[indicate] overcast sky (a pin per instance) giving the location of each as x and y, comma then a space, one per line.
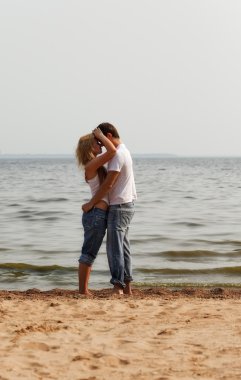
167, 73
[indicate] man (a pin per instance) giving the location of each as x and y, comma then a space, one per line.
120, 186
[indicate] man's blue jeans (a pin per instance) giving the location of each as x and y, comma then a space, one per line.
118, 245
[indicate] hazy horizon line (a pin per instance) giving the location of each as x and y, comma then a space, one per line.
167, 155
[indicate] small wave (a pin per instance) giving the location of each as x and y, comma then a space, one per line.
149, 239
36, 268
47, 200
48, 252
47, 213
198, 256
189, 224
49, 218
24, 216
232, 242
37, 215
25, 211
234, 271
219, 242
196, 253
33, 219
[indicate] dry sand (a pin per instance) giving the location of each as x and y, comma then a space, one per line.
155, 334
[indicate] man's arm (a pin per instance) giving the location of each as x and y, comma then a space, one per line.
104, 189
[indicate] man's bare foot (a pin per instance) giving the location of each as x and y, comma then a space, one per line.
127, 289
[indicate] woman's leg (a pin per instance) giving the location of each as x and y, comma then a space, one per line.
84, 274
94, 223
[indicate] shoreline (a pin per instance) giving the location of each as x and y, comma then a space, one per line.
145, 292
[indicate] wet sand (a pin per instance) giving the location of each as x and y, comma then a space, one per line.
158, 333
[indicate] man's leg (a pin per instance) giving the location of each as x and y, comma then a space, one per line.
128, 264
118, 251
115, 236
127, 253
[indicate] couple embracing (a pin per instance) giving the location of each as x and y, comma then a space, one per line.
111, 206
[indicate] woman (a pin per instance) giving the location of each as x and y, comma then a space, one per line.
88, 154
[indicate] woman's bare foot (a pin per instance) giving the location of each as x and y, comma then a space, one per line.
86, 293
117, 290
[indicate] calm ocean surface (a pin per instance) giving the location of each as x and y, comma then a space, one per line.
186, 229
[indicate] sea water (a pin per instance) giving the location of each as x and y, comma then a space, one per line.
186, 228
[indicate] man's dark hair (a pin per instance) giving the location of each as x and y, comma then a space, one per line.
109, 128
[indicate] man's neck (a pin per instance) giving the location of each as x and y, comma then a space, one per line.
116, 142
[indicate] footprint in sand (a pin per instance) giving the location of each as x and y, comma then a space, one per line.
133, 306
36, 364
126, 341
113, 361
45, 327
127, 320
101, 359
166, 332
37, 346
100, 312
83, 356
2, 313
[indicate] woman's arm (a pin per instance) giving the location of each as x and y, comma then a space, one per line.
95, 163
104, 140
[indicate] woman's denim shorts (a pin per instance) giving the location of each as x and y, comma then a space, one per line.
94, 223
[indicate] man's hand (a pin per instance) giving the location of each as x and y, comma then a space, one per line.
87, 206
98, 134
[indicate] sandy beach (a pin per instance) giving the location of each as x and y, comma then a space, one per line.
157, 333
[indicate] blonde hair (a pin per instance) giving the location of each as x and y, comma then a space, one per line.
84, 152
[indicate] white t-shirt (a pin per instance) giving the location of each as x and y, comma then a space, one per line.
124, 189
